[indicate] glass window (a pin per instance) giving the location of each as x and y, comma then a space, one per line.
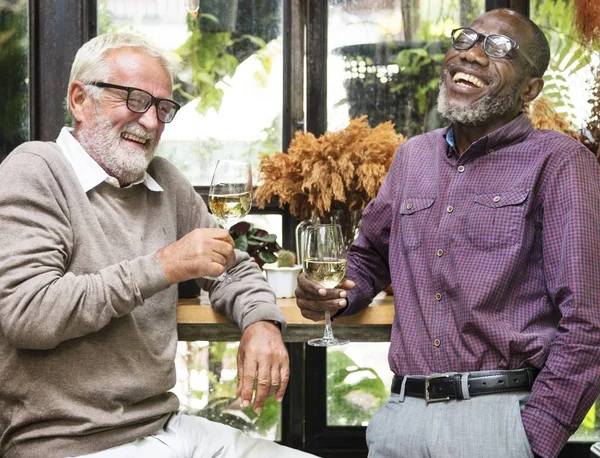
385, 59
14, 68
230, 89
230, 83
206, 386
358, 382
569, 79
569, 84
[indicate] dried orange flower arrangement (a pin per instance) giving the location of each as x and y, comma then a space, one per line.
543, 115
342, 169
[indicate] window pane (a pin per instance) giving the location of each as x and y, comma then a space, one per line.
385, 59
230, 85
14, 68
206, 386
568, 83
358, 382
573, 69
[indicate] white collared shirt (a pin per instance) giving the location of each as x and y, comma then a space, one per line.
88, 172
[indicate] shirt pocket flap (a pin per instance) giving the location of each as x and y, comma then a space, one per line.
410, 206
502, 199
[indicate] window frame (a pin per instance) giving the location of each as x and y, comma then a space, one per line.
59, 27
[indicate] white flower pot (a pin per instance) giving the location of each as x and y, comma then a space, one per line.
283, 280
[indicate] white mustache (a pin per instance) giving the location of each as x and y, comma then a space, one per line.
138, 131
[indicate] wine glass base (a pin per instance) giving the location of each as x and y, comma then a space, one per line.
327, 342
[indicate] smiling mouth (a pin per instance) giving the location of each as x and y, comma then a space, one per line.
468, 81
134, 138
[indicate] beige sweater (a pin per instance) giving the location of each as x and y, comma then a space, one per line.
87, 319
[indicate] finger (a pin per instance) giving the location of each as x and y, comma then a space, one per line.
238, 390
284, 374
321, 306
263, 384
222, 248
275, 380
248, 377
312, 315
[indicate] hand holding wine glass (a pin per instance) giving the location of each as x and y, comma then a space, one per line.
324, 262
230, 196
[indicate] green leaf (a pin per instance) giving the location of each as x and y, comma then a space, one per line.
267, 257
241, 243
266, 238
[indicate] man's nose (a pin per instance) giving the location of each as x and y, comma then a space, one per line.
148, 120
476, 54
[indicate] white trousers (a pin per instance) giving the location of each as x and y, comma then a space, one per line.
187, 436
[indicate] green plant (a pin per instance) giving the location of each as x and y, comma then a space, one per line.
423, 65
351, 401
568, 54
14, 95
258, 243
211, 57
286, 258
222, 403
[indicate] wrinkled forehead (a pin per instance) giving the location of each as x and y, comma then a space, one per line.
504, 24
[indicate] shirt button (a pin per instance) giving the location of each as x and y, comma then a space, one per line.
450, 209
440, 252
461, 168
490, 150
438, 297
437, 342
497, 199
409, 206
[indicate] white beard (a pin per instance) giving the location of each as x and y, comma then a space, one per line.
481, 112
117, 156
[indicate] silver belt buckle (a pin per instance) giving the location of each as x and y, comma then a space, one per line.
429, 399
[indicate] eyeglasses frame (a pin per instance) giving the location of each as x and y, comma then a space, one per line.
153, 100
485, 37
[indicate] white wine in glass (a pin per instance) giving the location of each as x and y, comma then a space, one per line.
230, 197
324, 262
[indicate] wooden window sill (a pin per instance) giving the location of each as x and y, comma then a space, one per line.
198, 321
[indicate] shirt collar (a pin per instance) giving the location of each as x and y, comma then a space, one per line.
88, 172
504, 136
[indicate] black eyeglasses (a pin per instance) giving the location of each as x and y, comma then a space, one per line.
494, 45
140, 101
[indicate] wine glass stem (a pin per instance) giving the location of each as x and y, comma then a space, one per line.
328, 333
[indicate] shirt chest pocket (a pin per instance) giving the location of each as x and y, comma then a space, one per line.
497, 219
414, 215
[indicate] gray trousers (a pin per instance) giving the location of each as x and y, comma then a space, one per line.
488, 426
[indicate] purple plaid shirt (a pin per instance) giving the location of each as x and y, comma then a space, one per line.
493, 259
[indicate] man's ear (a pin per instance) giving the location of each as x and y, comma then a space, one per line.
531, 88
77, 100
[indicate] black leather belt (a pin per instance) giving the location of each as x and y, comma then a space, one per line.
444, 387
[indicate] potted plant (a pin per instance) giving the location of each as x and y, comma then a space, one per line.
335, 174
283, 275
258, 243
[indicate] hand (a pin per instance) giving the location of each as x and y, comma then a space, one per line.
202, 252
313, 299
262, 358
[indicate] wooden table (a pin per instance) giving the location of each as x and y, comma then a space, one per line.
198, 321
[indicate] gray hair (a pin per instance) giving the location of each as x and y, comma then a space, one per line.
90, 61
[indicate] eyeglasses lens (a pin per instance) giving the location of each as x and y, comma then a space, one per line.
494, 45
464, 39
140, 101
166, 111
498, 45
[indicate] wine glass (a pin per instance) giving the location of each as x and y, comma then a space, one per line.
230, 197
324, 262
